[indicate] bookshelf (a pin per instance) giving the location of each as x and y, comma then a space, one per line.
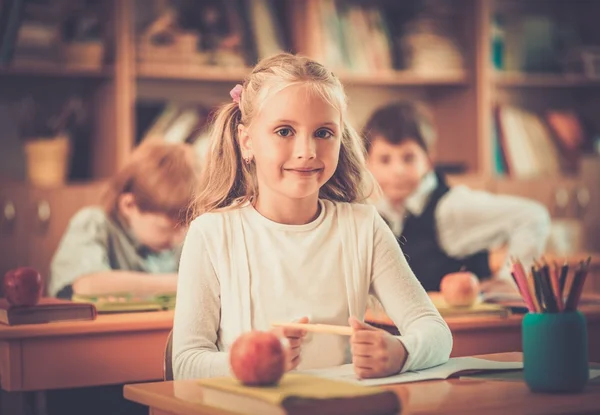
465, 95
462, 99
519, 80
56, 71
189, 73
400, 78
214, 74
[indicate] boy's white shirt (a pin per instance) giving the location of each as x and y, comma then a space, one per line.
240, 271
469, 221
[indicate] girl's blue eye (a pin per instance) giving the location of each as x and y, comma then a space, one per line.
324, 134
284, 132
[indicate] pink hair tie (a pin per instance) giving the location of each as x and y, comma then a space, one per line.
236, 93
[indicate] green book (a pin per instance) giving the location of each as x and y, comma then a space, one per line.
128, 303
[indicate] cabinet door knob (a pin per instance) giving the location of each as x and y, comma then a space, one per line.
582, 196
43, 215
9, 215
561, 201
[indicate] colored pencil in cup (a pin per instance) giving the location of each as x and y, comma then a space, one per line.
562, 280
577, 286
549, 296
529, 294
518, 274
556, 286
537, 285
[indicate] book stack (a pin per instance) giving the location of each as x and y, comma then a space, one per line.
47, 310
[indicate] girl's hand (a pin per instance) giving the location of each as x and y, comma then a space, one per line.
375, 352
294, 339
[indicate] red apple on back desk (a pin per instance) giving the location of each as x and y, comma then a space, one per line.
23, 286
257, 358
460, 289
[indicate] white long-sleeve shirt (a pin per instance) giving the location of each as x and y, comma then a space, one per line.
240, 271
469, 221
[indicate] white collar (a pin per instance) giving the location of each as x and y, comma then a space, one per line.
414, 204
417, 201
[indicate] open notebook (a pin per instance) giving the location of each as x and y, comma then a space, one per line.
454, 366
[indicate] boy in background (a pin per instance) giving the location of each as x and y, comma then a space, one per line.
132, 243
446, 229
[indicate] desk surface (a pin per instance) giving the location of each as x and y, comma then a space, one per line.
454, 396
104, 323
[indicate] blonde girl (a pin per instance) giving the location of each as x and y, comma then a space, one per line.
282, 233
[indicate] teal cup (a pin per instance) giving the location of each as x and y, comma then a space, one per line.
555, 352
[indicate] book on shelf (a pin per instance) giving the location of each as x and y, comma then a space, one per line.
229, 33
178, 123
51, 34
530, 144
376, 38
47, 310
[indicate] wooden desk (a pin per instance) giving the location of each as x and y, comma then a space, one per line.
113, 349
454, 396
483, 335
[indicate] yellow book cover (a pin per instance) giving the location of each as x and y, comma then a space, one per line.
298, 393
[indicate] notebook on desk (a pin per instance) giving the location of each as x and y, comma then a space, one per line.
454, 367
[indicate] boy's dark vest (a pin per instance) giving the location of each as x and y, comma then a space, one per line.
420, 244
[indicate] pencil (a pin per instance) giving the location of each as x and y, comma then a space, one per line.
556, 286
316, 328
518, 274
549, 297
534, 299
577, 287
537, 285
563, 278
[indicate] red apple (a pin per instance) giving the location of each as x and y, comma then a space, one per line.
460, 289
23, 286
257, 358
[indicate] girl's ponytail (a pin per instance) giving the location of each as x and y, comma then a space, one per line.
225, 178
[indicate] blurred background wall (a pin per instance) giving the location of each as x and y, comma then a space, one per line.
514, 86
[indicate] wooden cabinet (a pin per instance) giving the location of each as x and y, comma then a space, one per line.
13, 226
33, 221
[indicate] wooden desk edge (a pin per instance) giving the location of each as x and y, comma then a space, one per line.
104, 323
592, 314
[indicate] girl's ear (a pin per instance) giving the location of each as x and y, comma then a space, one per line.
245, 141
127, 205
